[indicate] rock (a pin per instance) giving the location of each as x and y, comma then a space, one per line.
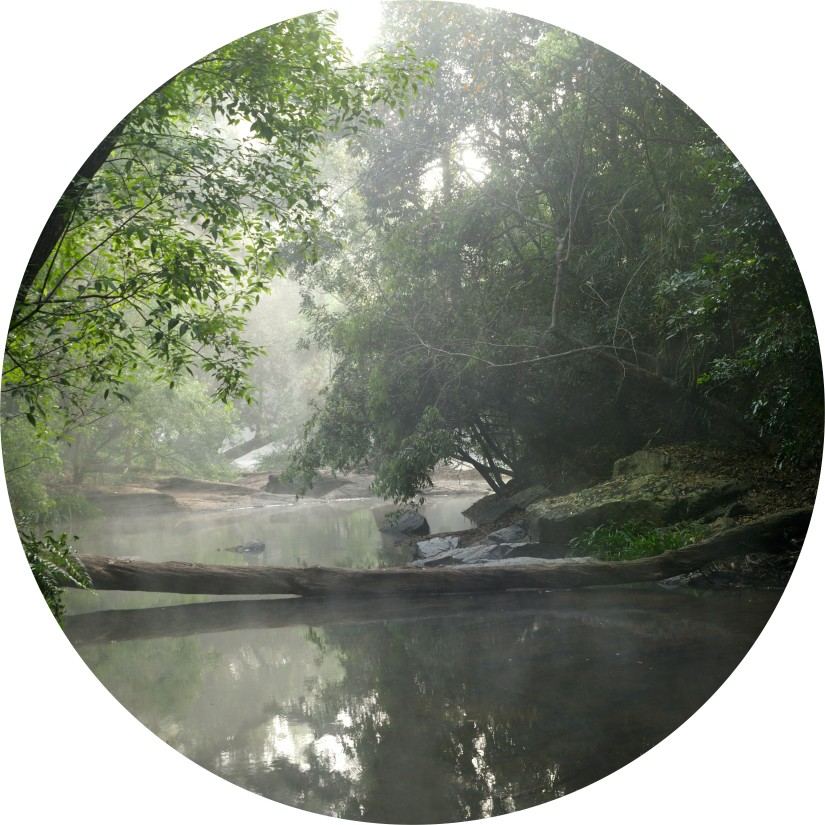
645, 463
320, 486
482, 553
196, 485
251, 546
659, 500
408, 524
432, 547
464, 555
515, 532
493, 507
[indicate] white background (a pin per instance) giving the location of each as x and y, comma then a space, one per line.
73, 69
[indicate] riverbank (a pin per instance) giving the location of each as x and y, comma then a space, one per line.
181, 495
704, 491
711, 489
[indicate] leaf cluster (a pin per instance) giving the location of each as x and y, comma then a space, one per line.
54, 564
205, 191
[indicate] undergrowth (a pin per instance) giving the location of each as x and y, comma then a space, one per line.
634, 540
54, 565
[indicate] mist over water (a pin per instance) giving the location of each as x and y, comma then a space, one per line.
400, 710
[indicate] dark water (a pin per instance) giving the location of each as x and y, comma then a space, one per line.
418, 710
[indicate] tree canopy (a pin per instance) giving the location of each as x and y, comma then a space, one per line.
177, 221
543, 259
551, 260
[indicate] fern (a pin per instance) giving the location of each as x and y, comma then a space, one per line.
55, 565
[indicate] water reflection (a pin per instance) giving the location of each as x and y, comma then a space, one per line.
431, 710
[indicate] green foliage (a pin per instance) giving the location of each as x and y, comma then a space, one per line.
744, 323
54, 565
161, 429
29, 458
337, 434
407, 471
194, 203
611, 275
634, 540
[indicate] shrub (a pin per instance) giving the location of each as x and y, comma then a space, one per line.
634, 540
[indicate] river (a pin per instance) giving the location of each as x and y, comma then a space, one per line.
412, 711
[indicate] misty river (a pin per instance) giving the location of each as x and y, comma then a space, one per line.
405, 710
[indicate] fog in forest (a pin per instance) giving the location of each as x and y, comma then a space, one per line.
354, 332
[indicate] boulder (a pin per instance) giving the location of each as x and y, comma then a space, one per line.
432, 547
463, 555
493, 507
482, 553
407, 524
251, 546
659, 500
182, 484
321, 486
646, 463
516, 532
134, 505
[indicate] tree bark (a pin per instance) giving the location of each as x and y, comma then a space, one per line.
765, 534
247, 447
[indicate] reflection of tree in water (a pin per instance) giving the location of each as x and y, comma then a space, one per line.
157, 680
448, 719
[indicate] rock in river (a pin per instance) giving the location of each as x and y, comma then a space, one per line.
432, 547
408, 524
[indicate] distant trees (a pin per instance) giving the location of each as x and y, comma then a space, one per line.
552, 260
287, 376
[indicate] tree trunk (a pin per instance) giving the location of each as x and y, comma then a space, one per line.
248, 446
766, 534
60, 218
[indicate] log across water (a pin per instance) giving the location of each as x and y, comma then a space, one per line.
766, 534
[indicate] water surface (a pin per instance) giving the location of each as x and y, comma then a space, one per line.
434, 709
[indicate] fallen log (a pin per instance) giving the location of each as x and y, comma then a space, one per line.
769, 533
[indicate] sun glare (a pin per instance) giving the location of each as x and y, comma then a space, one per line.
358, 26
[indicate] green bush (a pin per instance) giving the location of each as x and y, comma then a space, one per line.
634, 540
